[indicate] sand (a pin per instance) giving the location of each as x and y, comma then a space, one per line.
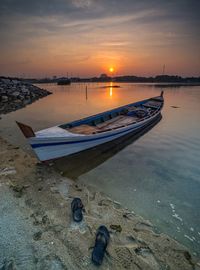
37, 231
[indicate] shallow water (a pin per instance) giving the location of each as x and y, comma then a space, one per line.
157, 175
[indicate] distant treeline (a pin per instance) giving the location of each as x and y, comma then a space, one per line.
136, 79
128, 78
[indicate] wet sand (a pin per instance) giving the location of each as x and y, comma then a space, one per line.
37, 231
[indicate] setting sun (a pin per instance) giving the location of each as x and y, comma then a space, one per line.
111, 69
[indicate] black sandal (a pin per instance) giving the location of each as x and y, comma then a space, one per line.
101, 242
77, 208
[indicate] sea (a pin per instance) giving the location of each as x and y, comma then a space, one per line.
156, 175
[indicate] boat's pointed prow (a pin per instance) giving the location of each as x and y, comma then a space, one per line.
161, 94
26, 130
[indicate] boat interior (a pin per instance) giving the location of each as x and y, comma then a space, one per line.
116, 118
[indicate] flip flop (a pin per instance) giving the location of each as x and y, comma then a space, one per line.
77, 208
101, 242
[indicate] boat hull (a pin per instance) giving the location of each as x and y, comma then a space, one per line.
53, 148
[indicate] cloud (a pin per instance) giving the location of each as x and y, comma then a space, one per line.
115, 44
72, 57
82, 3
98, 29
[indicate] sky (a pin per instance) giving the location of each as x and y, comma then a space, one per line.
85, 38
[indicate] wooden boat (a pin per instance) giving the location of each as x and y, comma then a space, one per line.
76, 136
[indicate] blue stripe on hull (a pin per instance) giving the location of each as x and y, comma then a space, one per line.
92, 139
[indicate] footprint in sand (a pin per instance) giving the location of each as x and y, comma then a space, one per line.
146, 255
131, 253
76, 255
124, 257
143, 226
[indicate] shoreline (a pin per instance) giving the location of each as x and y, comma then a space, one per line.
36, 219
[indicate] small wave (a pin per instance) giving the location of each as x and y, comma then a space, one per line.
177, 217
189, 238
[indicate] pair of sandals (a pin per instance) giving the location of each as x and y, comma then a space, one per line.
102, 234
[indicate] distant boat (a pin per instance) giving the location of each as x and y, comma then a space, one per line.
64, 82
76, 136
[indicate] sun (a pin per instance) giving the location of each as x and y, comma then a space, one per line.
111, 69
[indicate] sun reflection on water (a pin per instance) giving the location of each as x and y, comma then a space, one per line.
111, 89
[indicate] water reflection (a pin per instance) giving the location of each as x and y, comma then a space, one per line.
86, 93
111, 89
75, 165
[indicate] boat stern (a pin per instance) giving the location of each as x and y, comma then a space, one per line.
26, 130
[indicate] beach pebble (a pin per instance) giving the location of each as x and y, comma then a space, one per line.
116, 228
37, 236
54, 190
18, 190
7, 171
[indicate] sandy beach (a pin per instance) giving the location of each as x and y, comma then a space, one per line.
37, 231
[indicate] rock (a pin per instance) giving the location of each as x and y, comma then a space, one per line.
18, 190
40, 218
116, 228
17, 101
15, 94
13, 88
4, 98
6, 81
54, 190
37, 236
15, 82
32, 95
21, 97
25, 91
27, 101
45, 220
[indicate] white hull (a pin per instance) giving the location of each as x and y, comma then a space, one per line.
56, 147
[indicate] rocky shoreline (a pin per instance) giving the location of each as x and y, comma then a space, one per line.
16, 94
37, 231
